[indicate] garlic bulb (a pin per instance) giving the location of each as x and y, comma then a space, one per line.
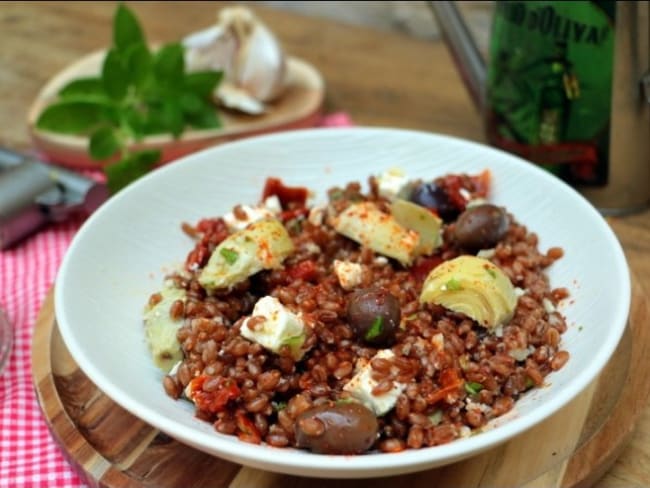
250, 56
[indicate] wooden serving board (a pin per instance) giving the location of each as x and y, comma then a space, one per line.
299, 106
113, 449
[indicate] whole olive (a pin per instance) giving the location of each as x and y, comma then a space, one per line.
374, 315
336, 428
434, 197
481, 227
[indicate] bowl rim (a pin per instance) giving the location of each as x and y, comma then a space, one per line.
277, 459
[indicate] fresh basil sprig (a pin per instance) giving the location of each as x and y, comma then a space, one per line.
138, 93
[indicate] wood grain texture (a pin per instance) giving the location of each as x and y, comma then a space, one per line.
380, 79
112, 448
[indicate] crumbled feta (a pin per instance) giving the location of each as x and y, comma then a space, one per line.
486, 253
362, 384
519, 292
349, 274
316, 215
391, 182
280, 327
380, 260
269, 209
548, 305
273, 204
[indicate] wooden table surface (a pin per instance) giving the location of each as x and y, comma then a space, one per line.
379, 79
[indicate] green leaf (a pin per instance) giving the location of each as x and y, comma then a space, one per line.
294, 341
207, 118
376, 328
74, 116
436, 417
103, 143
126, 29
83, 88
139, 66
169, 66
472, 387
115, 77
203, 83
173, 118
453, 285
129, 169
230, 255
191, 103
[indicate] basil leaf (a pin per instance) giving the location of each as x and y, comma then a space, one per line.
139, 66
73, 117
173, 118
230, 255
114, 75
376, 328
203, 83
83, 88
126, 29
207, 118
472, 387
103, 143
130, 169
191, 103
169, 65
454, 285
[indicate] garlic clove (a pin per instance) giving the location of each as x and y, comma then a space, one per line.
251, 57
233, 97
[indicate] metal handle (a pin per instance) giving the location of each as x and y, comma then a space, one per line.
33, 193
463, 49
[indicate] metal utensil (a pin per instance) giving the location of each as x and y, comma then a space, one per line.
33, 193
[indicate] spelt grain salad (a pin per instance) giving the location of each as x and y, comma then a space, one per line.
402, 316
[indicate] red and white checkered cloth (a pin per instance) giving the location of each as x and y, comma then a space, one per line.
29, 457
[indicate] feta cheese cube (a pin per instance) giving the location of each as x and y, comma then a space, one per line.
316, 215
273, 205
280, 327
349, 274
391, 182
362, 383
269, 209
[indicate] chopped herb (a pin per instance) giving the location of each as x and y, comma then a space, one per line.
454, 285
580, 328
436, 417
529, 382
277, 406
229, 255
473, 388
294, 341
335, 194
491, 272
344, 401
376, 328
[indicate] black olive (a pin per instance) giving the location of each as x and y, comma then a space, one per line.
374, 314
337, 428
480, 227
431, 196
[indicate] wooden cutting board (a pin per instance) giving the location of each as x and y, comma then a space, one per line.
113, 449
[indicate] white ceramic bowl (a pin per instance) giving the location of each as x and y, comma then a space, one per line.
122, 252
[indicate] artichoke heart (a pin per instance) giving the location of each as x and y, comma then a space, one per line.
366, 224
422, 221
262, 245
472, 286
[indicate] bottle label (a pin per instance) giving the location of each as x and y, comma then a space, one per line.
549, 85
